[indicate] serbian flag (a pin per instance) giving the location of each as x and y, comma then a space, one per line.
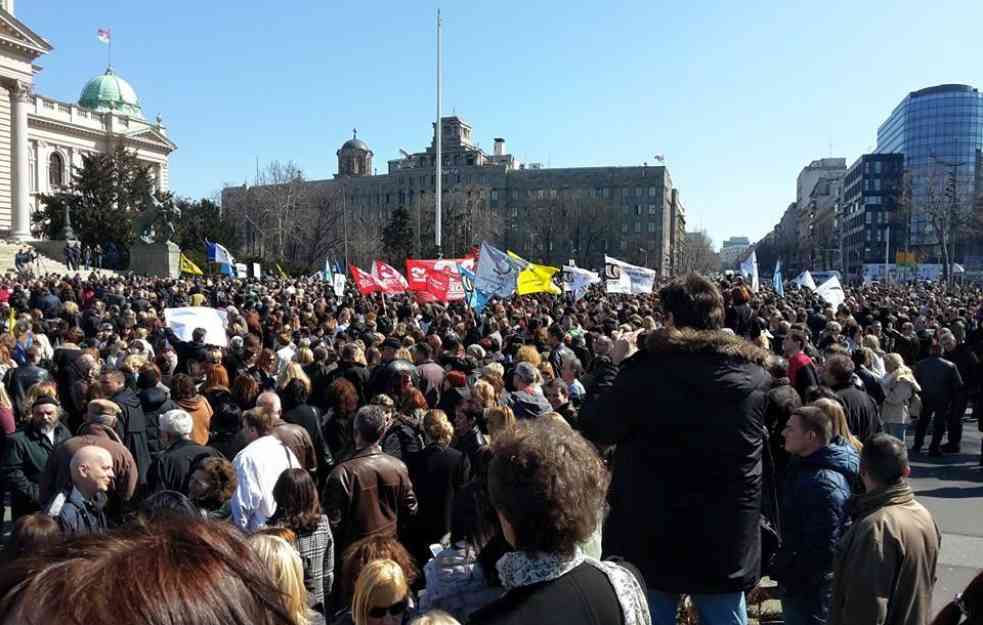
104, 34
388, 278
364, 282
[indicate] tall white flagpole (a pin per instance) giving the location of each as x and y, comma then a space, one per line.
438, 161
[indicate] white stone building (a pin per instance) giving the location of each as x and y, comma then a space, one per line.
42, 140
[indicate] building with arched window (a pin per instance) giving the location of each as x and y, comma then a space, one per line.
44, 140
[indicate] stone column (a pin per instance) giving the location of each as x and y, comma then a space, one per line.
21, 230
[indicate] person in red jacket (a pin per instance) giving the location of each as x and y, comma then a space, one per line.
801, 369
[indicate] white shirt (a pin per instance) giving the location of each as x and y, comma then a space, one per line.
284, 356
258, 467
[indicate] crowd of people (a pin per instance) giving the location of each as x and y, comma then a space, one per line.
376, 461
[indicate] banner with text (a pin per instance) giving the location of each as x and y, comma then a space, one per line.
436, 280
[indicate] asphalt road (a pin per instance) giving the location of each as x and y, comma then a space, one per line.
951, 487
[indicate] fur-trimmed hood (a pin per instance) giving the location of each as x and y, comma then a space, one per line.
688, 340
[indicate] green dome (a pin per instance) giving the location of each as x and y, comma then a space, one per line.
110, 93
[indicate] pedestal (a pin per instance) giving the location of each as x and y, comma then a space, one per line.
156, 259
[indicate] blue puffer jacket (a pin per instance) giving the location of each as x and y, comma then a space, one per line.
814, 513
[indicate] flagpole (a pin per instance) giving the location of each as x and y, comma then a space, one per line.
438, 161
110, 53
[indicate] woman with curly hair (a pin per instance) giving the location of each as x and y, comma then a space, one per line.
299, 510
342, 399
547, 486
211, 487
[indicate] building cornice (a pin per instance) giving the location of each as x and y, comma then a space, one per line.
27, 41
90, 133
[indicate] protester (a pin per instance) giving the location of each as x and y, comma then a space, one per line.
211, 488
299, 510
900, 390
862, 413
286, 570
382, 595
258, 466
814, 514
25, 454
80, 509
538, 469
689, 368
180, 454
31, 536
941, 383
886, 563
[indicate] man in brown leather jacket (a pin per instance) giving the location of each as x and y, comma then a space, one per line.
371, 492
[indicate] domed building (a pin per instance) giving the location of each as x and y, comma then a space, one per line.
355, 157
42, 140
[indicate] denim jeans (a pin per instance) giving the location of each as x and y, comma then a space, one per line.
718, 609
897, 430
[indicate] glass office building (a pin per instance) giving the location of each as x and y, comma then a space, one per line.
939, 130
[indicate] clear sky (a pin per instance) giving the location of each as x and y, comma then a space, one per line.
739, 96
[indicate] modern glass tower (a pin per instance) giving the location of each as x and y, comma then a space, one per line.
939, 130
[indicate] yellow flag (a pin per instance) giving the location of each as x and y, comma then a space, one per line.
283, 274
189, 267
535, 278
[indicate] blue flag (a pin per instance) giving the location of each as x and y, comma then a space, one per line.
476, 299
776, 281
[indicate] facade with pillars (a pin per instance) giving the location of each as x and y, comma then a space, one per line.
43, 140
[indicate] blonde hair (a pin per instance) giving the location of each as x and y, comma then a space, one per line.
286, 571
873, 343
294, 371
435, 617
484, 392
528, 353
837, 416
499, 420
438, 428
894, 363
381, 583
305, 356
403, 353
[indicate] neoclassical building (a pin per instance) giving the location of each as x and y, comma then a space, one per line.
42, 139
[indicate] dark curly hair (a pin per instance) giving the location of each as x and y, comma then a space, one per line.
343, 397
374, 547
549, 483
222, 475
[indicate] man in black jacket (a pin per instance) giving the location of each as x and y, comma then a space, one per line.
959, 354
132, 423
862, 414
20, 379
940, 382
686, 414
25, 454
356, 373
173, 468
79, 510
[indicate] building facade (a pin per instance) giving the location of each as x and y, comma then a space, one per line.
939, 131
732, 251
550, 215
42, 140
828, 169
870, 229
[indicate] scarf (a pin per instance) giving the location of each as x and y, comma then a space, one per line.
518, 568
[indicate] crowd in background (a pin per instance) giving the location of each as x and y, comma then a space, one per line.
368, 460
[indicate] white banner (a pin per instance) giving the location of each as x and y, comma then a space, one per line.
622, 277
576, 280
185, 320
832, 292
339, 285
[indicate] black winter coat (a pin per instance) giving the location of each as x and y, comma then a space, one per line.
22, 461
173, 468
132, 429
19, 380
438, 474
814, 514
862, 414
687, 416
583, 596
154, 402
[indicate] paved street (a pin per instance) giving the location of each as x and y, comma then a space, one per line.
952, 488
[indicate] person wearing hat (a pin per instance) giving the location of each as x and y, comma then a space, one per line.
380, 375
98, 430
25, 454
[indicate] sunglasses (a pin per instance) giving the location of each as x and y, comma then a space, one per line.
395, 609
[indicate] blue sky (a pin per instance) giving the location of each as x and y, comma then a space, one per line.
739, 96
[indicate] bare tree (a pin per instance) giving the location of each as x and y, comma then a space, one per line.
950, 212
698, 254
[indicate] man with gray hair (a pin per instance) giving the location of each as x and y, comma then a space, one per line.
527, 400
173, 468
371, 492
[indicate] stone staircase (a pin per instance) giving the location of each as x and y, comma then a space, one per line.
45, 263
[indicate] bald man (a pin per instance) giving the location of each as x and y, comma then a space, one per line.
99, 430
79, 509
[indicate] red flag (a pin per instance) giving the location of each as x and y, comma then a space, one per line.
389, 280
447, 287
364, 282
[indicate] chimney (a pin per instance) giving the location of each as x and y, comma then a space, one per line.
499, 146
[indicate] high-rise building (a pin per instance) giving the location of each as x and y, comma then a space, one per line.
939, 131
869, 228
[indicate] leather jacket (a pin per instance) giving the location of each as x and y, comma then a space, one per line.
368, 494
